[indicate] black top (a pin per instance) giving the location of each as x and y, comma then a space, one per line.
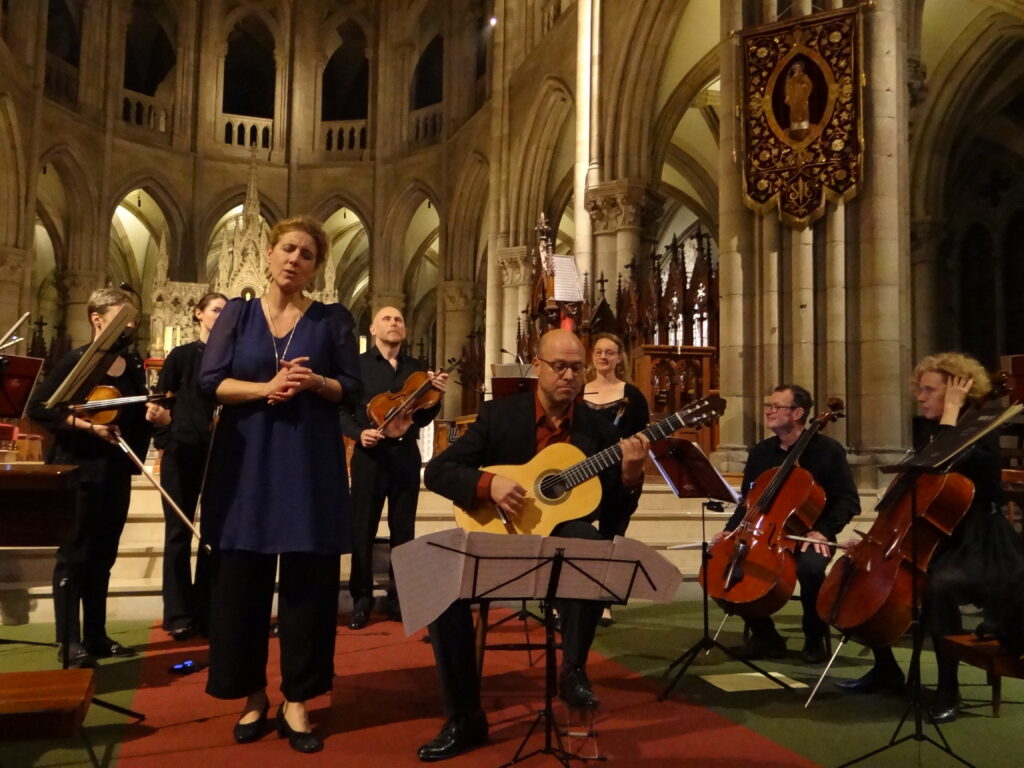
629, 414
505, 432
378, 376
826, 460
191, 412
76, 446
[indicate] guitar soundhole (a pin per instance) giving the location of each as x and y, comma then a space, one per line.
552, 487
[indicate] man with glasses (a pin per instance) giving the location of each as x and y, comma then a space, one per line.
511, 431
785, 414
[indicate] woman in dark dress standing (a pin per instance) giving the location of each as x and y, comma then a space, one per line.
621, 403
276, 491
983, 549
185, 438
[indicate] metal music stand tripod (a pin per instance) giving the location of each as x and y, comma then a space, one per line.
690, 475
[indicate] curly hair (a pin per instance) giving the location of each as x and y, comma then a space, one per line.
306, 224
955, 364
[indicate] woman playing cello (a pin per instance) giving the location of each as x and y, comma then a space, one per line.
982, 549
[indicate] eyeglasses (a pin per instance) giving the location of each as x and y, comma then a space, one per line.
774, 407
560, 366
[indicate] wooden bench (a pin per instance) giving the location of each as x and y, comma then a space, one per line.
986, 655
45, 705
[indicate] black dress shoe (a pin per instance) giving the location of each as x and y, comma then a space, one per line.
78, 657
107, 648
944, 711
300, 741
574, 689
246, 733
814, 651
182, 633
458, 735
875, 681
360, 613
763, 646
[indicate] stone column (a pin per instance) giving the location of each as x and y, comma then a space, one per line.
75, 288
457, 308
586, 94
884, 338
92, 60
737, 382
801, 307
15, 263
514, 264
925, 237
385, 298
770, 352
835, 383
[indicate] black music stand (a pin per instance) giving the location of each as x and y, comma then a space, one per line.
690, 475
542, 569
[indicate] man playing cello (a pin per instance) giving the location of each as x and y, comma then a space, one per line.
785, 414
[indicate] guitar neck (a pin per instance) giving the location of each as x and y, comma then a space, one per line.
612, 455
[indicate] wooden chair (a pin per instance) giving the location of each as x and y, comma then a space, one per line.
46, 704
986, 655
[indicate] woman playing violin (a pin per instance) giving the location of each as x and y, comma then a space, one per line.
103, 493
184, 437
983, 549
276, 492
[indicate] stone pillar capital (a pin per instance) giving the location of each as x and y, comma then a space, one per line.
77, 286
457, 295
623, 203
925, 235
514, 263
380, 299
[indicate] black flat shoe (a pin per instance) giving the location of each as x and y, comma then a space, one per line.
458, 735
300, 741
814, 651
182, 633
945, 714
246, 733
770, 645
875, 681
575, 690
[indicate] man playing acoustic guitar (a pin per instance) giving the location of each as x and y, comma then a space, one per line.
512, 431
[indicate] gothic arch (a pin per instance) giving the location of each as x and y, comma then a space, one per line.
235, 196
326, 207
695, 81
387, 270
245, 10
12, 175
533, 155
79, 234
633, 89
471, 202
706, 204
977, 53
170, 206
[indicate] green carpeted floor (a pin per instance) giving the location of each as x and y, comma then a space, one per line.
645, 638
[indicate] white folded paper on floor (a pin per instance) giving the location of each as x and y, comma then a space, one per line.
433, 571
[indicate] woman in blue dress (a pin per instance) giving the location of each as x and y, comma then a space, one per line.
277, 491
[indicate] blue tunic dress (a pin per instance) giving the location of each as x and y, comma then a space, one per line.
277, 480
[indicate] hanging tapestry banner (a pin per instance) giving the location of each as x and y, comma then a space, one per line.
803, 135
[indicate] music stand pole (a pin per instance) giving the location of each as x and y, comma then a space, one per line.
914, 671
706, 641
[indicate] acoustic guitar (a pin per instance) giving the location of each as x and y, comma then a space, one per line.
561, 482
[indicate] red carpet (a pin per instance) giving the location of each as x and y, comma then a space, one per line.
385, 704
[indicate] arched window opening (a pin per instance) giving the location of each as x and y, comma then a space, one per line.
346, 81
428, 77
148, 51
249, 70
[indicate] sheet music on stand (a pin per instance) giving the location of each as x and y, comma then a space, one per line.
435, 570
88, 370
567, 278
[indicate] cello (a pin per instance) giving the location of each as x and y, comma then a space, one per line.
752, 571
870, 592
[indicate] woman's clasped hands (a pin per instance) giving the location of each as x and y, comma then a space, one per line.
292, 377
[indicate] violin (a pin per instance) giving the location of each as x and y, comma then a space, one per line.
416, 394
103, 402
869, 593
752, 571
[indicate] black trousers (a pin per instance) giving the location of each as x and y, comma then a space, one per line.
454, 640
392, 473
242, 594
185, 601
810, 573
86, 559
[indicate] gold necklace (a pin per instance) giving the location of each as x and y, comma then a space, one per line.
273, 335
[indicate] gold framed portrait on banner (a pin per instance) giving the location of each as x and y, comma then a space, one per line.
802, 130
